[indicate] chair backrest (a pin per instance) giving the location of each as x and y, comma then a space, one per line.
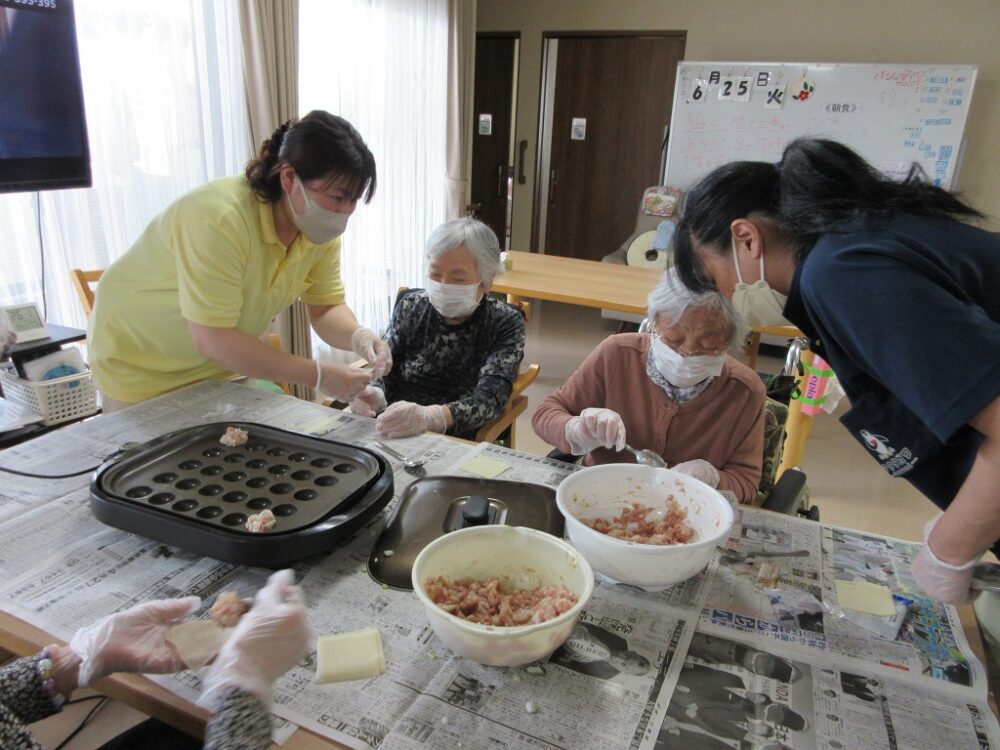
503, 425
84, 283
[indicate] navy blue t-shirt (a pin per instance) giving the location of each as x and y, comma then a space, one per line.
908, 315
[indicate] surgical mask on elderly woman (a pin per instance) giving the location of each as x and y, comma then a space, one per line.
758, 303
453, 300
681, 371
319, 225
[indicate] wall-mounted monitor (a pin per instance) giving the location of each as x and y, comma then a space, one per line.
43, 127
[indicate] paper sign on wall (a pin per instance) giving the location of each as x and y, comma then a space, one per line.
578, 130
774, 97
485, 124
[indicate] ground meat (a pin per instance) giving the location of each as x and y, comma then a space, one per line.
486, 602
261, 522
234, 437
228, 609
632, 526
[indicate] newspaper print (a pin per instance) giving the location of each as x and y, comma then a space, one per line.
776, 581
733, 694
64, 569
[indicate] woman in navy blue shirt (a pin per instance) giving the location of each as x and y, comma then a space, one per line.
899, 294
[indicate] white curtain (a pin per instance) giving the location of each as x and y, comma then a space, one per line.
383, 65
163, 90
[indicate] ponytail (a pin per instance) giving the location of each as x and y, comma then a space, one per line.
819, 186
827, 187
262, 172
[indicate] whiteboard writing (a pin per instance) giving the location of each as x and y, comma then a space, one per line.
893, 115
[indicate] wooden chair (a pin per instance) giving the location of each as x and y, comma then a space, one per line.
84, 283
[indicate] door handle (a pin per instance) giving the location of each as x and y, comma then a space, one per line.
501, 180
521, 148
553, 181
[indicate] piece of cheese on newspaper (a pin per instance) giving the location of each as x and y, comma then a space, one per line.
349, 656
197, 642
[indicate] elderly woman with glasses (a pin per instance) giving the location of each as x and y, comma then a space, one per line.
455, 349
675, 391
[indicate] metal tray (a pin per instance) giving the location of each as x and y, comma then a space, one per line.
189, 490
433, 506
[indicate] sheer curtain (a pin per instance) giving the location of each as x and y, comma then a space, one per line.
383, 65
165, 112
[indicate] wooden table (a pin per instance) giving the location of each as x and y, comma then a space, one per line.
577, 282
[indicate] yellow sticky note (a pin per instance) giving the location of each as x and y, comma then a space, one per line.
349, 656
485, 467
864, 596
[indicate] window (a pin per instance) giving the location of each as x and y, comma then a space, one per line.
163, 89
382, 65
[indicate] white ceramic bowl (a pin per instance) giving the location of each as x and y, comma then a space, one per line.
604, 491
521, 558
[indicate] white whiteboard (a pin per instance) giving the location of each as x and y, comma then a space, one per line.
893, 115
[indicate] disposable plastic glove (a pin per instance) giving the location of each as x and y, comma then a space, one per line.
369, 402
132, 641
340, 382
369, 345
269, 640
595, 428
948, 583
404, 418
700, 469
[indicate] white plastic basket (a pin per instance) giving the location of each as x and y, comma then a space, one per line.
57, 400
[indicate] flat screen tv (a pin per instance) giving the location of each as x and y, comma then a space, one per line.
43, 128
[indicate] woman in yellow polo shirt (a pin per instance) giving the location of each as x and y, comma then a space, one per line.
192, 296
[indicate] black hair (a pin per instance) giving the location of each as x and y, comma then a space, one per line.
819, 186
317, 145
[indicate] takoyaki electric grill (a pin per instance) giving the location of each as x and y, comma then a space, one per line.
188, 490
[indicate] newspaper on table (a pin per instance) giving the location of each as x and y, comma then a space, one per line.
635, 673
796, 602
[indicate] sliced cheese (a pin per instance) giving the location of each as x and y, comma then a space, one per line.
349, 656
197, 642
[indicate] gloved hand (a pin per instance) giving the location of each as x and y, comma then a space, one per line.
340, 382
948, 583
132, 641
268, 641
369, 402
369, 345
699, 469
595, 428
404, 418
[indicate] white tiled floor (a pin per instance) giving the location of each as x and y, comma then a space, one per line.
849, 488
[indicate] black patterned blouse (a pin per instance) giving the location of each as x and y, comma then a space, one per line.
470, 366
240, 720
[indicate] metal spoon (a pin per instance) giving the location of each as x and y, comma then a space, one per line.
646, 457
409, 463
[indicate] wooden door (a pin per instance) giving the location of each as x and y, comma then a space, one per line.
492, 124
622, 88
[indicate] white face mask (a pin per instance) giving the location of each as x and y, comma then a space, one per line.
453, 300
684, 371
758, 303
319, 225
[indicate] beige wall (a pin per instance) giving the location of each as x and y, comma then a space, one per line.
861, 31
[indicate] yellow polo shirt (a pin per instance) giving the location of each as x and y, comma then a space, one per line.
213, 258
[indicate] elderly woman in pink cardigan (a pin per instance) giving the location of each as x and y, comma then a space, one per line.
674, 390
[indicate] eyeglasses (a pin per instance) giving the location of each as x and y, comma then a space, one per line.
694, 352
